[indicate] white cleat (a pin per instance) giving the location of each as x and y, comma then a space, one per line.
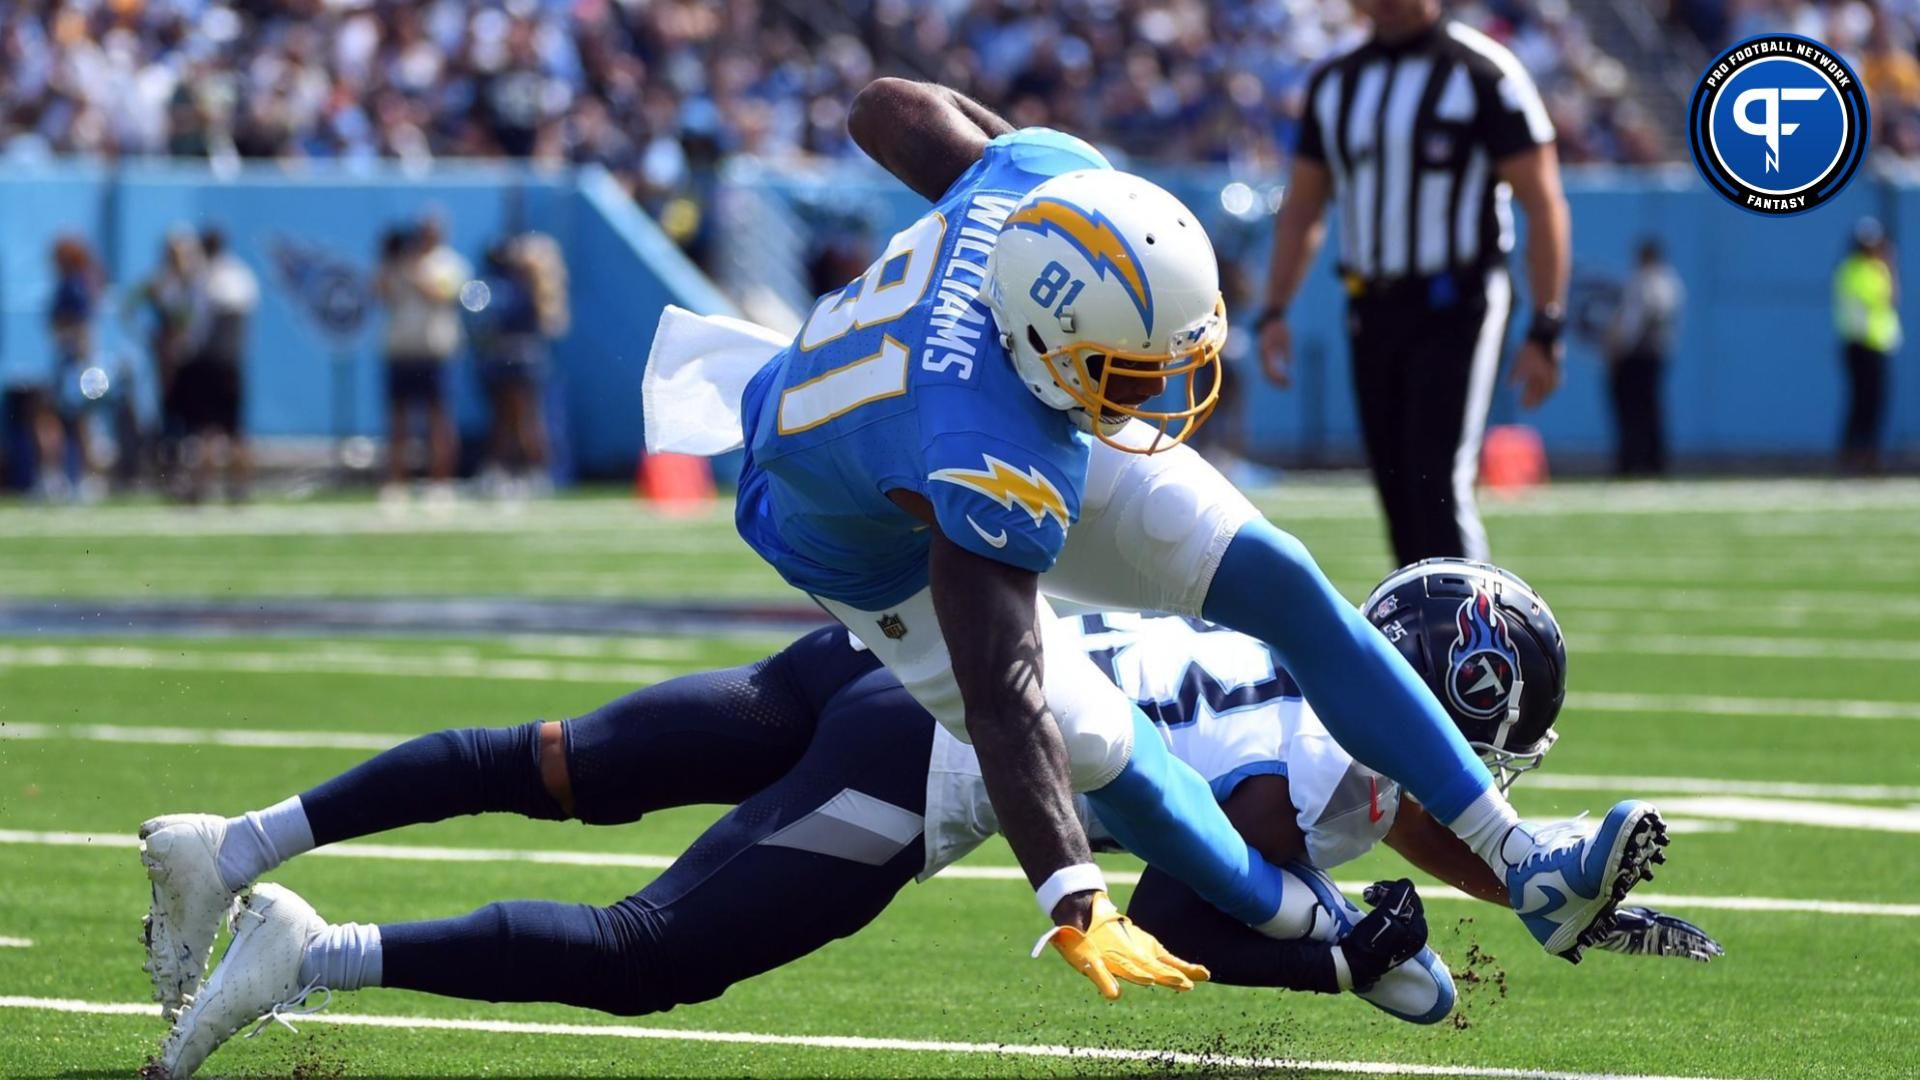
182, 855
258, 979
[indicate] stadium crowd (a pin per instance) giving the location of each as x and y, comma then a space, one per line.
658, 91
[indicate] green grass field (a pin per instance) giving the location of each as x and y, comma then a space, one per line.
1743, 653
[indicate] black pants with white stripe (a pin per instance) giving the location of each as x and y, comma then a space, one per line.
1425, 357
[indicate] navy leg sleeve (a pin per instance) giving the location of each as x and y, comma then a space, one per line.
1163, 811
814, 857
1368, 696
714, 737
431, 778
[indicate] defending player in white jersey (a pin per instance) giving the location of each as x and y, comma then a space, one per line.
847, 790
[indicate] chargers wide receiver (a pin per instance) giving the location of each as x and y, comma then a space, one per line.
847, 790
973, 412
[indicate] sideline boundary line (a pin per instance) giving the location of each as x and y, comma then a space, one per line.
859, 1042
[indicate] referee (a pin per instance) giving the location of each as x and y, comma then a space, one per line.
1421, 138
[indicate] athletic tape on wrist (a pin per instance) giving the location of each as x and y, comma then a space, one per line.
1080, 877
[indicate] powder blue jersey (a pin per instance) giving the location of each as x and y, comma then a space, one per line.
899, 380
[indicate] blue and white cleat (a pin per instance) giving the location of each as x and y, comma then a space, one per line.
1419, 991
1565, 878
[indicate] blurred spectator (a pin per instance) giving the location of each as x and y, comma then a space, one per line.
1892, 77
172, 299
79, 380
659, 91
419, 281
210, 386
1866, 316
518, 306
35, 446
1638, 343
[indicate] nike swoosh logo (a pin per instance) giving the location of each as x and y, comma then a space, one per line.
1552, 900
999, 540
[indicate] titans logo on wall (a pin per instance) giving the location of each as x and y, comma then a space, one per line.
1778, 124
1482, 663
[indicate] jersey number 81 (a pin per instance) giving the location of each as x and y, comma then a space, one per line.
889, 289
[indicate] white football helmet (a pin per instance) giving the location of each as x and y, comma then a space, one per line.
1104, 285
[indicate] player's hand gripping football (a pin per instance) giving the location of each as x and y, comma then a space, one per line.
1112, 948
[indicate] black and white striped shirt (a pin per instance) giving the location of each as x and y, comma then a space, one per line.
1411, 131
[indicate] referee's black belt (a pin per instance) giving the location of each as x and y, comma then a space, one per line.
1418, 290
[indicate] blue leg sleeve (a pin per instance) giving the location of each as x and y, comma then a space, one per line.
1164, 812
1367, 695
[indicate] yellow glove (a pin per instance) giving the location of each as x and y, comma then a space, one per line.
1113, 946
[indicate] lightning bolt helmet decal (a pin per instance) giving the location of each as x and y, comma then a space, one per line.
1094, 236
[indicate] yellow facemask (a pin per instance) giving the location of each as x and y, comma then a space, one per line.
1073, 369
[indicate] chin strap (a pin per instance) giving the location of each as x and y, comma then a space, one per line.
1507, 765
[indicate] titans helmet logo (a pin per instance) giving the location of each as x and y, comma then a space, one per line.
1482, 663
1097, 241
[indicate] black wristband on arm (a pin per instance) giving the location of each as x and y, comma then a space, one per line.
1546, 328
1270, 315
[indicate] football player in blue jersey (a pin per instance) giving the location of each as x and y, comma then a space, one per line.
979, 409
846, 791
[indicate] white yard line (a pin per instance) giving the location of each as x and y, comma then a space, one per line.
1702, 785
1726, 705
865, 1043
419, 853
465, 665
1798, 812
1772, 506
1783, 648
178, 736
477, 666
15, 943
272, 739
1733, 600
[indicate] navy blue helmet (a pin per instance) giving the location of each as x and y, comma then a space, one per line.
1490, 649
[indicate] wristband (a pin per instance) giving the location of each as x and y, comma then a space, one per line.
1080, 877
1271, 315
1546, 327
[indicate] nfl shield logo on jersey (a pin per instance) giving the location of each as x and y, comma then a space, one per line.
1483, 661
891, 626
